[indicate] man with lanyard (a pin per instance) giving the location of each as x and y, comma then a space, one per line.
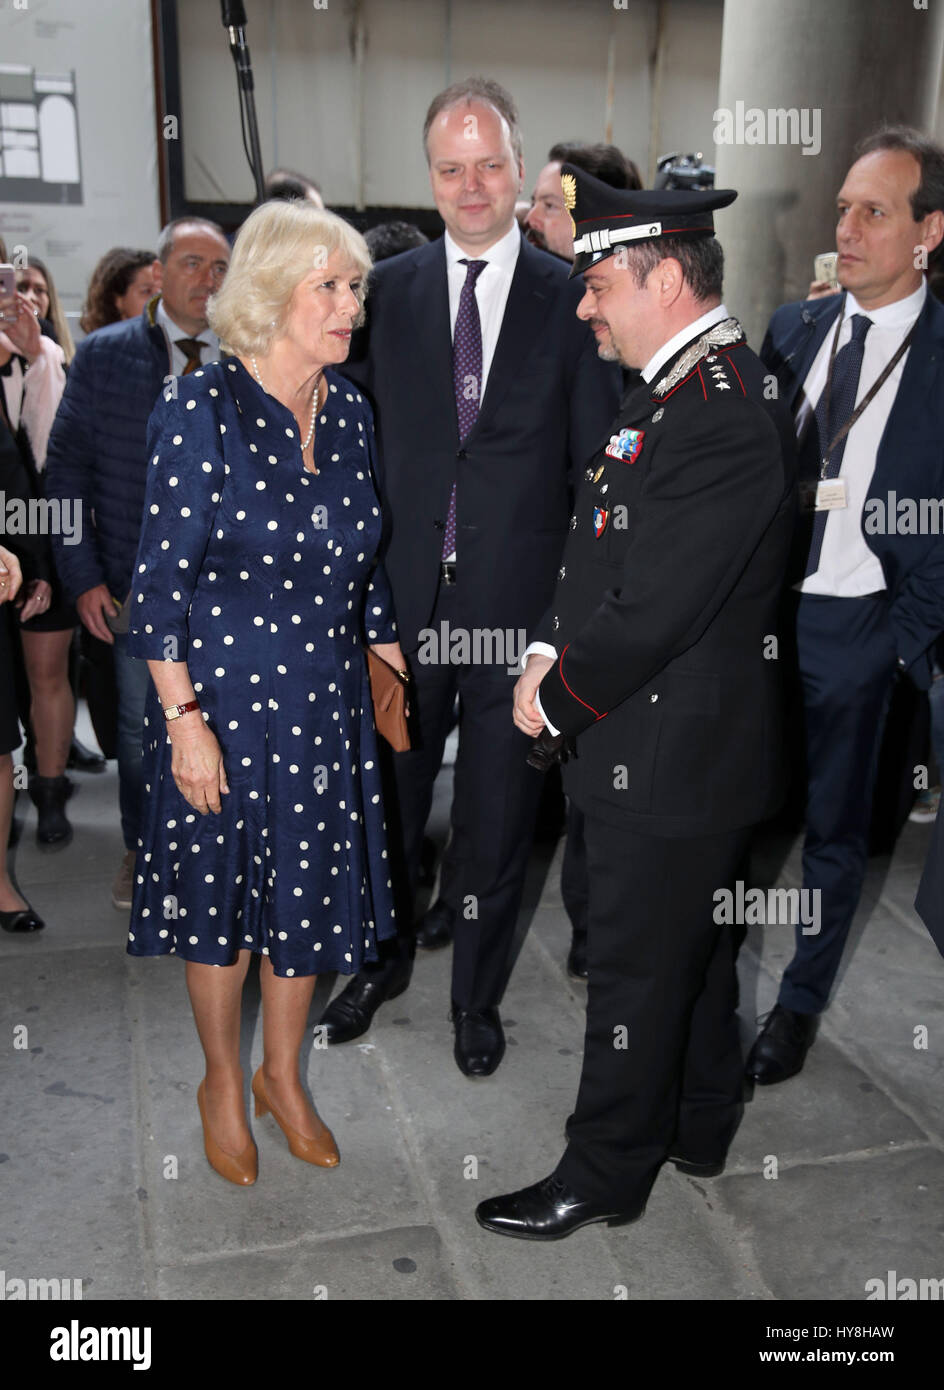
864, 375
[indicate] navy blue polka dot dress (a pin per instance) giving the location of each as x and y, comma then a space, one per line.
260, 575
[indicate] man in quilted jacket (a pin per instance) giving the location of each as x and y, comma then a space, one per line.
97, 459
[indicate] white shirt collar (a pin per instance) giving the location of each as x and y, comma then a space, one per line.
503, 253
901, 314
686, 335
174, 331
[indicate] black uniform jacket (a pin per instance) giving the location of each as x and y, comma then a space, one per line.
665, 612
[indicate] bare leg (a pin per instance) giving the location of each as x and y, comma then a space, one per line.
10, 899
216, 997
285, 1005
52, 704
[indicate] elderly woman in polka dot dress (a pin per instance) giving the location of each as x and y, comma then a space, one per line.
256, 590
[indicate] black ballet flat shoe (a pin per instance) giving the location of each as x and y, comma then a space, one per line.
547, 1211
21, 919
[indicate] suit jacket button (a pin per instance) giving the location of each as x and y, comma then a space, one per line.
555, 624
439, 525
652, 699
562, 571
573, 523
461, 454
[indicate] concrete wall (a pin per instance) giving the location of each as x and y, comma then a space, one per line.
365, 149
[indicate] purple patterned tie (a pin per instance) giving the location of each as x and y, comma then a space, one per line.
467, 377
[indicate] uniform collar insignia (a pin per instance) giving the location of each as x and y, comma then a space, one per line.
721, 334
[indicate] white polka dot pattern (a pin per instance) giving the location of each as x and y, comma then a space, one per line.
254, 572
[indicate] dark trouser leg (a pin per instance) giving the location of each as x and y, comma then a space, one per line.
133, 681
652, 945
847, 664
494, 807
411, 775
573, 880
710, 1105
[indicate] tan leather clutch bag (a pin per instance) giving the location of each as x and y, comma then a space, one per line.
389, 696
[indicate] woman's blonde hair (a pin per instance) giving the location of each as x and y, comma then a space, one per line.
277, 246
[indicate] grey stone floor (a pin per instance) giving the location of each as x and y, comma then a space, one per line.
99, 1108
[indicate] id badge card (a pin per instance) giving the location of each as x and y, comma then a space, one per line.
830, 494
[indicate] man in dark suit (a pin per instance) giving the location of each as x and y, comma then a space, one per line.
863, 373
98, 456
652, 660
488, 395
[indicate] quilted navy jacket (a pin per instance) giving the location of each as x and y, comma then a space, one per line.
98, 450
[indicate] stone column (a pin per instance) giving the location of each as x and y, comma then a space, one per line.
807, 74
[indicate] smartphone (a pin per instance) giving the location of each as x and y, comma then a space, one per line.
7, 293
824, 268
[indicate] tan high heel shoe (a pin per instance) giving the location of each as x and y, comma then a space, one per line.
321, 1151
241, 1168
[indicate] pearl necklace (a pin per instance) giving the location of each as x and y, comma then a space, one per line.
314, 402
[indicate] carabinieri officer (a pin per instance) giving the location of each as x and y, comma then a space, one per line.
656, 666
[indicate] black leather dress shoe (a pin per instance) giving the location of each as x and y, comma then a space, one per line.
351, 1013
781, 1047
480, 1041
82, 759
436, 927
577, 957
697, 1170
547, 1211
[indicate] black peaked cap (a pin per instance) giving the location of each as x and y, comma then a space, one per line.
607, 218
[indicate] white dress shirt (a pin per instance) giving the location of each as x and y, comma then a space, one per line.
847, 567
178, 358
491, 292
655, 364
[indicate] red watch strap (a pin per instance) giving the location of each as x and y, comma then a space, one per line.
183, 709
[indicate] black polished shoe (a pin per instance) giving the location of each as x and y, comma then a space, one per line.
49, 795
577, 957
351, 1013
480, 1040
781, 1046
82, 759
21, 919
546, 1211
697, 1170
436, 927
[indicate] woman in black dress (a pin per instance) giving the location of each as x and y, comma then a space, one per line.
16, 915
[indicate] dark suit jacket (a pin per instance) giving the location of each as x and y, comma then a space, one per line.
667, 604
547, 403
909, 463
98, 450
